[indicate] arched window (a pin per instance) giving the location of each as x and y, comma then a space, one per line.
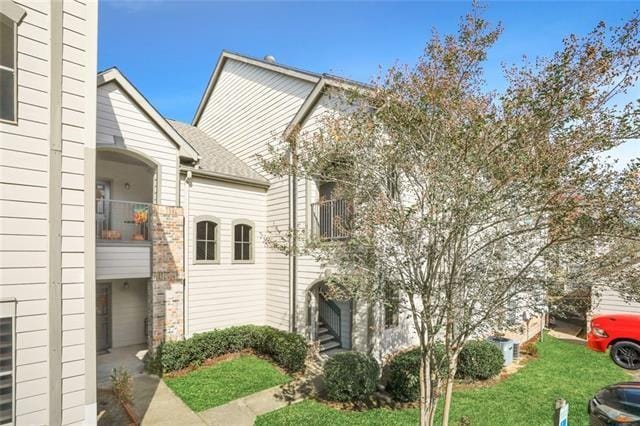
243, 241
207, 241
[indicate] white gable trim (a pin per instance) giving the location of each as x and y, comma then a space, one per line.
314, 97
12, 11
225, 55
114, 75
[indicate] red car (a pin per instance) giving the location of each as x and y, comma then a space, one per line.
621, 332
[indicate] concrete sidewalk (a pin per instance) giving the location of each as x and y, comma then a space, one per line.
156, 404
567, 331
243, 411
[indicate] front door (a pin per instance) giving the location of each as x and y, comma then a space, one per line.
103, 208
103, 317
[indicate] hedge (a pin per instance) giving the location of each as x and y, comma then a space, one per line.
404, 374
479, 360
288, 350
351, 376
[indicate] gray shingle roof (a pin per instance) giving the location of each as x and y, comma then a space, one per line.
214, 157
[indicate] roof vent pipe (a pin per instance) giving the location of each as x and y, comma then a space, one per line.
270, 58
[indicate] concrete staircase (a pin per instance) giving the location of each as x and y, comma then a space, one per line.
329, 345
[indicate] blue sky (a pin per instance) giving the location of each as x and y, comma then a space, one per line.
169, 48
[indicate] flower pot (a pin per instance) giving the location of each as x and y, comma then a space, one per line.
137, 237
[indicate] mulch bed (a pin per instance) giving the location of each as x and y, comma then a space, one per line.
382, 399
226, 357
110, 410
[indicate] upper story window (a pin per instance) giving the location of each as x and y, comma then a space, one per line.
391, 307
243, 241
10, 16
7, 362
207, 244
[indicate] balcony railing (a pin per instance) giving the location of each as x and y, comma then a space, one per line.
122, 221
330, 219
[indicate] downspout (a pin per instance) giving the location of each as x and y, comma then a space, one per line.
293, 221
187, 265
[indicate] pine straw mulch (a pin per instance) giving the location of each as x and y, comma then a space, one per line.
222, 358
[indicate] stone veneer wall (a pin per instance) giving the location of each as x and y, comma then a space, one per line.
167, 275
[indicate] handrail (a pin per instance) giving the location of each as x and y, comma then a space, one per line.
123, 220
330, 219
331, 316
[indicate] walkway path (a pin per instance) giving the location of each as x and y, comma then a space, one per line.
156, 404
244, 411
567, 331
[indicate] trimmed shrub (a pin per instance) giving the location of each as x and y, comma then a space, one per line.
351, 376
288, 350
404, 374
479, 360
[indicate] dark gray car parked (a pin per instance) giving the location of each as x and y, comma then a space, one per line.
617, 404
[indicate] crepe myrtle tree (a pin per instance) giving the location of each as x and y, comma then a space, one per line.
458, 193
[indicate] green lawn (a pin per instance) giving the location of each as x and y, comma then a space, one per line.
563, 370
225, 381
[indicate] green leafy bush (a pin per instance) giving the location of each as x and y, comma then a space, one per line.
479, 360
122, 384
404, 374
351, 376
288, 350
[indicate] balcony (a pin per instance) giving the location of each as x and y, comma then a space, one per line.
122, 221
330, 219
123, 239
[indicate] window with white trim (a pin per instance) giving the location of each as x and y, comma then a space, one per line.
206, 238
7, 362
242, 242
8, 77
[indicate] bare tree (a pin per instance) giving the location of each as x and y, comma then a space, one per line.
457, 194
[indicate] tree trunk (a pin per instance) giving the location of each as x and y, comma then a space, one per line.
448, 396
427, 409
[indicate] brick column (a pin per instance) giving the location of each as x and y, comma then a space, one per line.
165, 293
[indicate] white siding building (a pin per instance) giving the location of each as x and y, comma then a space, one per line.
47, 154
120, 229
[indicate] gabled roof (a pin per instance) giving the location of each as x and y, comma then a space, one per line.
114, 75
215, 160
316, 94
312, 77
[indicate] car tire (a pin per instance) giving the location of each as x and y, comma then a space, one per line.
626, 354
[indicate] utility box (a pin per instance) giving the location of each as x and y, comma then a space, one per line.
506, 347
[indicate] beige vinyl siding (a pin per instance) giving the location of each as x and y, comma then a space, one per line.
119, 116
608, 301
77, 112
115, 261
129, 309
24, 166
249, 108
24, 207
224, 294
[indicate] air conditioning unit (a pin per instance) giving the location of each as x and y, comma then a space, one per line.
516, 350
